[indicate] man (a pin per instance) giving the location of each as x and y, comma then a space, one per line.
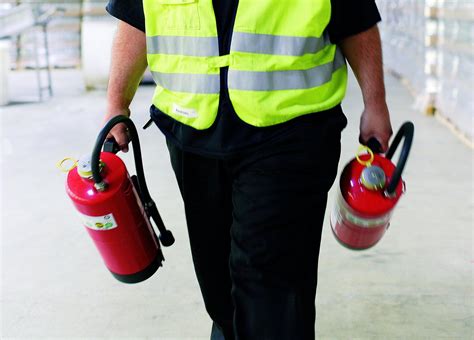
248, 96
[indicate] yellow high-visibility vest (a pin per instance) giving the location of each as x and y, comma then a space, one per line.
281, 62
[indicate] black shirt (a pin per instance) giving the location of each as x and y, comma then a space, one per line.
229, 134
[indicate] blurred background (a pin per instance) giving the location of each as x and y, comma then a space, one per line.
416, 284
428, 44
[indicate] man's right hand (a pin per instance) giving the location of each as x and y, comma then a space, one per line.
119, 132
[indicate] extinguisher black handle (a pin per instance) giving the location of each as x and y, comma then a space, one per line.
100, 142
110, 145
374, 145
406, 131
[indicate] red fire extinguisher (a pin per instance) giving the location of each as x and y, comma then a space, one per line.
116, 208
369, 189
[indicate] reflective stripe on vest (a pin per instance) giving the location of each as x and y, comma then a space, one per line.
286, 80
186, 82
277, 44
179, 45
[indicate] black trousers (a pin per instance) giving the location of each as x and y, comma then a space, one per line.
254, 223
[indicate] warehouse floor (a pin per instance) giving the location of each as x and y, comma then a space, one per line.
416, 284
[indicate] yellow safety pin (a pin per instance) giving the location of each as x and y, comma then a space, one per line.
370, 152
60, 164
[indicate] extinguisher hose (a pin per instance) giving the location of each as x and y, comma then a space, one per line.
166, 237
407, 131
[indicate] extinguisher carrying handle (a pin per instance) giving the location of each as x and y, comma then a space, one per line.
166, 237
110, 145
407, 131
374, 145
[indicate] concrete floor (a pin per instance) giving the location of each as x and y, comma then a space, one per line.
416, 284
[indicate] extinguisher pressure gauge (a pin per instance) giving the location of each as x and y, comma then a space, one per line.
373, 178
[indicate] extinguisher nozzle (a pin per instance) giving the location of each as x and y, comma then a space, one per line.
166, 238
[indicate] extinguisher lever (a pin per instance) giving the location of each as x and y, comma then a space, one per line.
110, 145
407, 131
374, 145
166, 237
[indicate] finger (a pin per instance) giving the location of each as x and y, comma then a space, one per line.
120, 135
364, 138
383, 140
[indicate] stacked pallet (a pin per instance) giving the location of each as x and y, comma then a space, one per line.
63, 34
403, 35
429, 44
456, 63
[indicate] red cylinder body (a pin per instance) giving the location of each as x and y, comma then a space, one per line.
116, 221
361, 216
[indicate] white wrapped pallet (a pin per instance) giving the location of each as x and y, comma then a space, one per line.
98, 30
456, 64
15, 19
63, 34
403, 34
429, 44
4, 71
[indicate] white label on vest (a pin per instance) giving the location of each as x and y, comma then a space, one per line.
105, 222
185, 112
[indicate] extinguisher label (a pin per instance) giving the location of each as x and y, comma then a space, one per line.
105, 222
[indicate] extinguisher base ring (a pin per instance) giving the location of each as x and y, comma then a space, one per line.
143, 274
